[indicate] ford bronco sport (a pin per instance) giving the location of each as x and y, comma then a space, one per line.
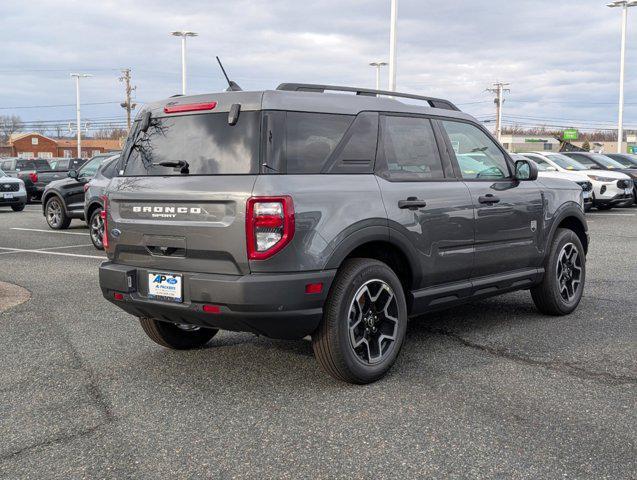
298, 212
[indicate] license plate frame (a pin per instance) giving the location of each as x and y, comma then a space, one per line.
166, 287
7, 196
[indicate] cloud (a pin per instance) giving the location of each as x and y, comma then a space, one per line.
561, 58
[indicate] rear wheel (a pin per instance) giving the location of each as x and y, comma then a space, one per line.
96, 228
18, 208
177, 337
364, 322
564, 275
55, 215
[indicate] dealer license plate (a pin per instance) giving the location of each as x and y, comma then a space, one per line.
165, 286
8, 195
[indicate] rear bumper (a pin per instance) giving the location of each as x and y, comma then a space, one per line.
274, 305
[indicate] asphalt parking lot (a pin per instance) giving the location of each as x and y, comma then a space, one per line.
491, 389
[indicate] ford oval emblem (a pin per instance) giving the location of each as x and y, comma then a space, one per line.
116, 232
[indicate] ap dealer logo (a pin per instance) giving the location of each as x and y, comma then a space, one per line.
163, 278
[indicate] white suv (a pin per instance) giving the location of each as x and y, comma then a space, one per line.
606, 191
547, 168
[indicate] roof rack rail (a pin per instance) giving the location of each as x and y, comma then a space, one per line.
369, 92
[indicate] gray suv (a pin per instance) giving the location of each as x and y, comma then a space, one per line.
298, 212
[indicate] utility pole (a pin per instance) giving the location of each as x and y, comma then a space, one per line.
128, 105
392, 45
499, 90
624, 4
77, 77
378, 66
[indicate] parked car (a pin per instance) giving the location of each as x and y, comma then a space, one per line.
63, 200
629, 162
299, 212
547, 170
94, 191
602, 162
28, 170
606, 192
12, 192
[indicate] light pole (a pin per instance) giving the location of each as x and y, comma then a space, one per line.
77, 77
183, 34
624, 4
392, 46
378, 66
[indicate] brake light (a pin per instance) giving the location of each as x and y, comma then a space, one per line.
104, 215
33, 176
269, 225
189, 107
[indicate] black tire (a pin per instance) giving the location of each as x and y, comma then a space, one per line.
172, 336
333, 341
18, 208
96, 229
587, 207
549, 296
55, 214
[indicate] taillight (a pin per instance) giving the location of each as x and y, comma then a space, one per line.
269, 225
33, 176
86, 185
104, 215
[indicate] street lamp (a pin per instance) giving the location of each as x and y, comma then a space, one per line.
624, 4
183, 35
392, 45
378, 66
77, 77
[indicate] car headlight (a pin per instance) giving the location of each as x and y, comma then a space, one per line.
601, 179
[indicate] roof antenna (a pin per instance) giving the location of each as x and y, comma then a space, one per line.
232, 86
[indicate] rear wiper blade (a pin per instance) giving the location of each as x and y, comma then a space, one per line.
181, 164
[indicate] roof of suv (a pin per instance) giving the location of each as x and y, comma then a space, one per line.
312, 98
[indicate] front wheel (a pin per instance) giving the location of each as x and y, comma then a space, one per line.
564, 275
364, 322
18, 208
96, 229
176, 336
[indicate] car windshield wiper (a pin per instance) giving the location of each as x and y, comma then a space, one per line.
181, 164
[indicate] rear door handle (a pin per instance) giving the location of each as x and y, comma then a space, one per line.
488, 199
412, 203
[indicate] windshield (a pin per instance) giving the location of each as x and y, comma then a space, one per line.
565, 162
205, 142
606, 161
625, 160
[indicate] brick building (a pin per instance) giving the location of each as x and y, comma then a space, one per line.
35, 145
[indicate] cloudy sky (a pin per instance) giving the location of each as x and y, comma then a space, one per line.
560, 56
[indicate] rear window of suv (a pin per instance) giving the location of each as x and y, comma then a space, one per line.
39, 165
206, 142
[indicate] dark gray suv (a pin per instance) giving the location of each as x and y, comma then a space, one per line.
300, 212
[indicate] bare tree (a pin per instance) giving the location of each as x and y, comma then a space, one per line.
9, 124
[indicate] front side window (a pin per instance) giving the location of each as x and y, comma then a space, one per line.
409, 149
478, 156
205, 142
90, 169
311, 138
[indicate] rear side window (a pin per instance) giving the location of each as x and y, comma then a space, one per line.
208, 144
311, 138
109, 169
40, 165
409, 149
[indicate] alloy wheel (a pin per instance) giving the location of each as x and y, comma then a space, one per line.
54, 213
373, 321
569, 271
97, 230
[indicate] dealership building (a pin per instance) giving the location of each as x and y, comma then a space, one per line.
531, 143
35, 145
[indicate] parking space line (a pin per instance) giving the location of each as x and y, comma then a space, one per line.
65, 246
47, 231
22, 250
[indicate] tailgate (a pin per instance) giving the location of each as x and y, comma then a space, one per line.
180, 223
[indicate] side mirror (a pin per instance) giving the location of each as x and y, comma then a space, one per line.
525, 170
72, 174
